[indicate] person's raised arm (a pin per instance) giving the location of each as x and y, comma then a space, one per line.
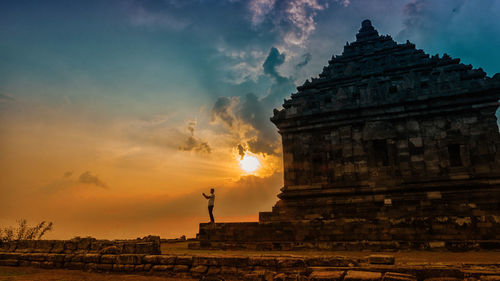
204, 195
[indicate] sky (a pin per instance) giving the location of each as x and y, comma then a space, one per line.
116, 115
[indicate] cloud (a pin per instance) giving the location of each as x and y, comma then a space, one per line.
159, 14
248, 117
307, 57
425, 17
294, 19
6, 98
67, 174
222, 111
241, 151
88, 178
259, 9
195, 144
273, 60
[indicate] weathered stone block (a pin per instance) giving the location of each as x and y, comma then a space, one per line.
381, 259
326, 275
205, 261
330, 261
234, 261
254, 276
128, 259
153, 259
57, 247
105, 266
47, 264
394, 276
268, 262
37, 257
25, 246
91, 258
280, 277
108, 258
161, 267
56, 257
9, 262
229, 270
181, 268
146, 248
12, 256
74, 265
290, 262
128, 267
212, 270
128, 248
139, 267
78, 258
184, 260
83, 244
443, 279
43, 246
164, 259
490, 278
113, 250
354, 275
200, 269
91, 266
68, 257
70, 246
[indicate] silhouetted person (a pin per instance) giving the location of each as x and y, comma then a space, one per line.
211, 201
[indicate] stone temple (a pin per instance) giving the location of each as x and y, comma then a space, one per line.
389, 148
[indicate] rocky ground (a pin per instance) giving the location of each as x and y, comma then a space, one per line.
178, 262
8, 273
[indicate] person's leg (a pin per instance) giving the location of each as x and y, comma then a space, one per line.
210, 210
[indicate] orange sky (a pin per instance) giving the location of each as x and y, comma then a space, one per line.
123, 178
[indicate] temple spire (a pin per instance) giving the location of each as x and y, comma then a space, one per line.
366, 32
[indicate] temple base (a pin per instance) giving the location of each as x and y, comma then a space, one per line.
461, 219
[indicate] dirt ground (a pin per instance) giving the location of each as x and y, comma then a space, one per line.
404, 257
8, 273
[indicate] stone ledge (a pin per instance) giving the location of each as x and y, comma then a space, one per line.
257, 268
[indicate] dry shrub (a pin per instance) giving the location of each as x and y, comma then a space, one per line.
25, 232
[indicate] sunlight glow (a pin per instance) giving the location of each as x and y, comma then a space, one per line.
249, 164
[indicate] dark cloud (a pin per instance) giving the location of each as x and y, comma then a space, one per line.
241, 151
196, 145
306, 58
191, 126
273, 60
222, 111
88, 178
193, 143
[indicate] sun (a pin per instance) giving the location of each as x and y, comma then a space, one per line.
249, 163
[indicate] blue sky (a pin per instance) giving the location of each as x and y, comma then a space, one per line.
158, 98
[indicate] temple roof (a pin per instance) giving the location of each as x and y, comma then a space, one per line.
375, 71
